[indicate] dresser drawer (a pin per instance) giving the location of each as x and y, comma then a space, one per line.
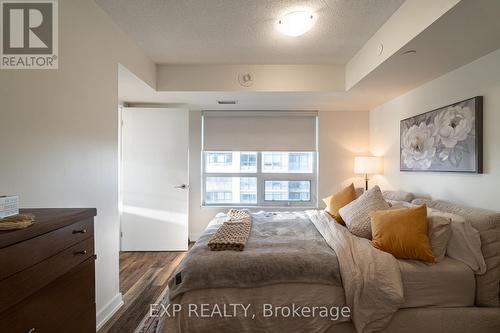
23, 284
22, 255
64, 305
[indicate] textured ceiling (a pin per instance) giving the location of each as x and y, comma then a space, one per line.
439, 50
243, 31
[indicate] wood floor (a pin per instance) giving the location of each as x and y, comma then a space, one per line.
143, 277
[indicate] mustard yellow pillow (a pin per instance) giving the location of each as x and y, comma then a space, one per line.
403, 233
338, 200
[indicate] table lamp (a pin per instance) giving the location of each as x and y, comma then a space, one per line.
368, 165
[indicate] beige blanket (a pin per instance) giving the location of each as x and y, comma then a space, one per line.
300, 250
371, 278
282, 248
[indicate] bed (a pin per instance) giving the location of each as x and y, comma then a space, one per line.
301, 259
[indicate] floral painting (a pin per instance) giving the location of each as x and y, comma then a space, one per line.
448, 139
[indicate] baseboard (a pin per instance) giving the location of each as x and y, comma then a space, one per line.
193, 237
109, 310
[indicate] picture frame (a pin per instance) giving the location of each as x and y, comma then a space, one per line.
446, 139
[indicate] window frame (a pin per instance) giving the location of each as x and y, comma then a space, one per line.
262, 177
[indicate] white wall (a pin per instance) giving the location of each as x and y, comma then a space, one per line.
413, 17
481, 77
265, 77
59, 130
342, 135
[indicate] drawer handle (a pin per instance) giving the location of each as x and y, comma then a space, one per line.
32, 330
81, 252
81, 231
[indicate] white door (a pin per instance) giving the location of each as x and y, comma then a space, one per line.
154, 175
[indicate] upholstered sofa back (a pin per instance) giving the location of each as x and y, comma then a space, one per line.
488, 224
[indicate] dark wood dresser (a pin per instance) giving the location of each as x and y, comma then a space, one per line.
47, 281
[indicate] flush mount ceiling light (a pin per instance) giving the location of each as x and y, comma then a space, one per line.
296, 23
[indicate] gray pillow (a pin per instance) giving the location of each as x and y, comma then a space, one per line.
422, 201
398, 196
400, 204
356, 214
359, 191
439, 234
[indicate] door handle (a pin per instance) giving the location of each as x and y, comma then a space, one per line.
182, 186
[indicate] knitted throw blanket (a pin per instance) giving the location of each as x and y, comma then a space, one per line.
233, 233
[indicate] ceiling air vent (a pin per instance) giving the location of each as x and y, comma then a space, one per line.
226, 102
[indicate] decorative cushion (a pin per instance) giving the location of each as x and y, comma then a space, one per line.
403, 233
400, 204
356, 214
398, 196
439, 234
338, 200
439, 228
465, 242
422, 201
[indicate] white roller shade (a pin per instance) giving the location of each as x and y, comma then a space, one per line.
259, 130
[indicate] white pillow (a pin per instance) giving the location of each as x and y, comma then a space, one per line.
465, 243
356, 214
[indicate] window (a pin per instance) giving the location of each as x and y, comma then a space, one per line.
287, 190
248, 162
230, 162
259, 158
231, 190
221, 159
282, 162
279, 179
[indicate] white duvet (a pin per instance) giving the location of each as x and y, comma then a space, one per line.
371, 278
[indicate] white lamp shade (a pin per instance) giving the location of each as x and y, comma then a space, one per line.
368, 165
